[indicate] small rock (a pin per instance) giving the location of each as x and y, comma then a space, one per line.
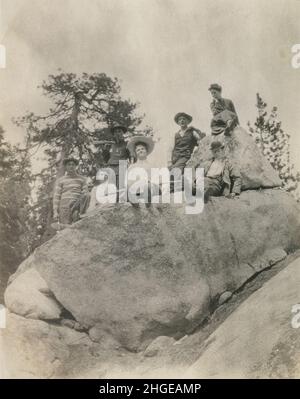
98, 335
225, 297
179, 342
68, 323
158, 345
276, 255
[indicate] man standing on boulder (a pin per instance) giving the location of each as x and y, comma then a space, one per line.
118, 152
220, 176
71, 194
186, 139
225, 118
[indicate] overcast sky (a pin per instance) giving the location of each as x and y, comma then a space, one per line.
166, 52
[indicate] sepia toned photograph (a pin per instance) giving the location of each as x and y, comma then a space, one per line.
149, 191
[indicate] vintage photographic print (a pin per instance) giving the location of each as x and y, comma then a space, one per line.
149, 190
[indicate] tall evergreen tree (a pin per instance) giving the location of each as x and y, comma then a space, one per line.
83, 109
17, 221
275, 144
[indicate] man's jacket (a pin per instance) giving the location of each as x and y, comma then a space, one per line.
231, 176
218, 106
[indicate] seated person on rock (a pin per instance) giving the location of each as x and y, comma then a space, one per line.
187, 138
225, 118
220, 176
140, 147
71, 194
103, 191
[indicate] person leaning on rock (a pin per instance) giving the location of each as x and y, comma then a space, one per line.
71, 194
220, 176
225, 118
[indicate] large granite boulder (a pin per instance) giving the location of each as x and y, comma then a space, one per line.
256, 171
261, 339
136, 274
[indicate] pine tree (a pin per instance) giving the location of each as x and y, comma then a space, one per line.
275, 144
83, 110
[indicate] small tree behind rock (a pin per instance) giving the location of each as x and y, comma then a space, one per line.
275, 145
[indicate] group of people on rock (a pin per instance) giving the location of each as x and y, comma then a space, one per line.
71, 194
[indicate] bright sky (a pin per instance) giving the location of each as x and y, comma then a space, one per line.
166, 52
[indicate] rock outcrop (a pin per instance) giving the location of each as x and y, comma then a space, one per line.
240, 147
131, 281
261, 339
36, 349
126, 276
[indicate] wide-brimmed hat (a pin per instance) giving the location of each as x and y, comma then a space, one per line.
67, 160
122, 127
215, 86
148, 141
215, 145
187, 116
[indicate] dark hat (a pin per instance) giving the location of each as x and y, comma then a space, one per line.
67, 160
124, 128
187, 116
215, 86
216, 145
148, 141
